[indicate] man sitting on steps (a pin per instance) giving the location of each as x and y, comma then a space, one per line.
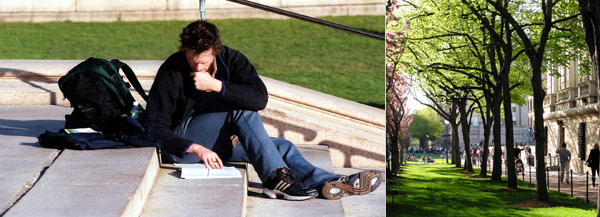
207, 92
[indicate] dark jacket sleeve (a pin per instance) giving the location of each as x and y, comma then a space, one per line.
244, 88
166, 91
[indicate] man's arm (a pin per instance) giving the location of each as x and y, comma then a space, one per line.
244, 89
162, 103
163, 100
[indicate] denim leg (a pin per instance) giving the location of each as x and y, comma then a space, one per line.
214, 130
266, 154
260, 149
311, 176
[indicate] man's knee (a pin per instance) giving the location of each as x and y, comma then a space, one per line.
249, 116
247, 112
283, 145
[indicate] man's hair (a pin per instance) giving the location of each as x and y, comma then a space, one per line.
200, 36
564, 145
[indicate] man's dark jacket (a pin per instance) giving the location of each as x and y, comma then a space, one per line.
593, 158
173, 96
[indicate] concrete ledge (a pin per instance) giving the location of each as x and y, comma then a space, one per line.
47, 71
351, 143
188, 14
325, 102
92, 183
578, 111
54, 69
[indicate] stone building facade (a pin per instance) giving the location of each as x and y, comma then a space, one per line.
520, 128
571, 113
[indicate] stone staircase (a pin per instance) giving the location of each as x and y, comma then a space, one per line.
131, 182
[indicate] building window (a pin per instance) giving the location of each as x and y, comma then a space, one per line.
581, 141
546, 136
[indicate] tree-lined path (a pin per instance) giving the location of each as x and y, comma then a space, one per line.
474, 61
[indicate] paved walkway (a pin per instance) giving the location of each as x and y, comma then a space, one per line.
577, 184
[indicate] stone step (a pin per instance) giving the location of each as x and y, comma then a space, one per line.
173, 196
111, 182
121, 182
47, 182
22, 159
259, 205
372, 205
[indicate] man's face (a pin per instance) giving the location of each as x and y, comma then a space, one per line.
201, 62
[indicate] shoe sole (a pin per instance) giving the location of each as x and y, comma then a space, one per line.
342, 190
274, 194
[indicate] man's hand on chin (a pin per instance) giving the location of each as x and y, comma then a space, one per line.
205, 82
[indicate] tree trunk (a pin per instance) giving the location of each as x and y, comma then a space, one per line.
466, 129
540, 138
394, 152
388, 166
401, 153
496, 113
446, 149
423, 143
455, 145
486, 145
508, 123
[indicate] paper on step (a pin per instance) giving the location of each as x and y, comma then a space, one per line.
80, 130
199, 171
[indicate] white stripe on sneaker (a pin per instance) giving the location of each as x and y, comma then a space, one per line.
287, 185
278, 184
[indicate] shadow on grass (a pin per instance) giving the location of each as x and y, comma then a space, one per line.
441, 190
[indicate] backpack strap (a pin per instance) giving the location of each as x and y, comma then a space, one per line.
131, 77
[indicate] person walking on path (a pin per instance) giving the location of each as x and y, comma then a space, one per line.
517, 151
565, 158
592, 162
529, 156
474, 157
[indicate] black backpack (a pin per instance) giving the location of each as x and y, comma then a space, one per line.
98, 93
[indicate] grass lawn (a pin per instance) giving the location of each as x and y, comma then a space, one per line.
440, 189
309, 55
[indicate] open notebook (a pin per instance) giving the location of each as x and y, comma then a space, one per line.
199, 171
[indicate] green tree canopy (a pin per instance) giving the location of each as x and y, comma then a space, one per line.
426, 122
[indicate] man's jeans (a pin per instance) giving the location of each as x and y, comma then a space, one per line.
255, 146
564, 167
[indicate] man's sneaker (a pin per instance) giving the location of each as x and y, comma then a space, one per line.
356, 184
282, 184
